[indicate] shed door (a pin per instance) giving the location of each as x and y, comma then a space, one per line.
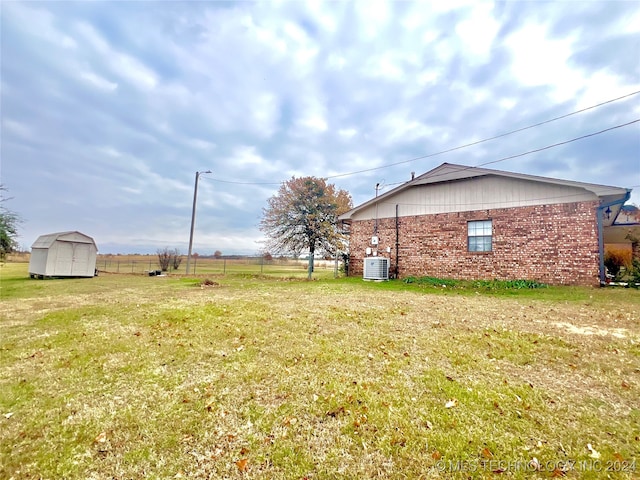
64, 258
80, 264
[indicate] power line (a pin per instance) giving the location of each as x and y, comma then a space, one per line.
535, 151
560, 143
244, 183
484, 140
582, 137
466, 145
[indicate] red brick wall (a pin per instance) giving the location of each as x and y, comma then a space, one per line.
555, 244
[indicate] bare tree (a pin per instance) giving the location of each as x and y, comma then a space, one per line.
164, 258
176, 259
217, 255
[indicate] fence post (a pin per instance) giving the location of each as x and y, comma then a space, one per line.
224, 266
118, 266
195, 261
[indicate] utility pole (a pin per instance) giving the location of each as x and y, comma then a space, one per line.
193, 218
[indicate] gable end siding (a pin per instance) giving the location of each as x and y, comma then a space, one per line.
555, 244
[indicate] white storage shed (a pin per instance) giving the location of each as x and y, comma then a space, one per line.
63, 254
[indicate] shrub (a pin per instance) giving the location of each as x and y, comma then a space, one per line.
176, 259
634, 281
475, 284
518, 284
164, 258
167, 257
615, 259
432, 281
508, 284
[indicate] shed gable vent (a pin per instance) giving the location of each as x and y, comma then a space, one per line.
376, 268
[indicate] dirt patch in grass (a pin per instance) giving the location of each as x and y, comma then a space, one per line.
593, 330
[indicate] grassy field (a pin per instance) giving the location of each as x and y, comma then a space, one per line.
127, 376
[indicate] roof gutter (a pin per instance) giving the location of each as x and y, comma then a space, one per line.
599, 216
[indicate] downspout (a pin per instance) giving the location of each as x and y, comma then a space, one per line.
397, 243
375, 228
599, 216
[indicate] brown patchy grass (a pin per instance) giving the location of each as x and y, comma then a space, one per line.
137, 377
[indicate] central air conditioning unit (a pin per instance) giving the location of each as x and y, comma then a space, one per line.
376, 268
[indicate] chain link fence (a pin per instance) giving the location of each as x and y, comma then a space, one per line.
201, 266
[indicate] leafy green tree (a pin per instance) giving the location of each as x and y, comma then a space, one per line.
303, 215
9, 222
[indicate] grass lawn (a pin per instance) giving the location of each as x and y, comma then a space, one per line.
130, 376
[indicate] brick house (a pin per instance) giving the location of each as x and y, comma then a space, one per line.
466, 222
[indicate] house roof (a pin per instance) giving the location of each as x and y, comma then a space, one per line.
45, 241
449, 172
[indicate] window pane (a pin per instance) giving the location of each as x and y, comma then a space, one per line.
480, 227
479, 235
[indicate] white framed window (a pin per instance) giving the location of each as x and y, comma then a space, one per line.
479, 236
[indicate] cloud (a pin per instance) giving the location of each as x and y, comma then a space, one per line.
247, 156
16, 128
125, 66
538, 60
38, 22
477, 31
200, 144
98, 82
347, 132
109, 108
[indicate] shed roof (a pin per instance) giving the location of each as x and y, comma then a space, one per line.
448, 172
45, 241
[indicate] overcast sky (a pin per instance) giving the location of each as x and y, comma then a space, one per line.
109, 108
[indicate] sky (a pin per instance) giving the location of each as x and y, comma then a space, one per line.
108, 109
